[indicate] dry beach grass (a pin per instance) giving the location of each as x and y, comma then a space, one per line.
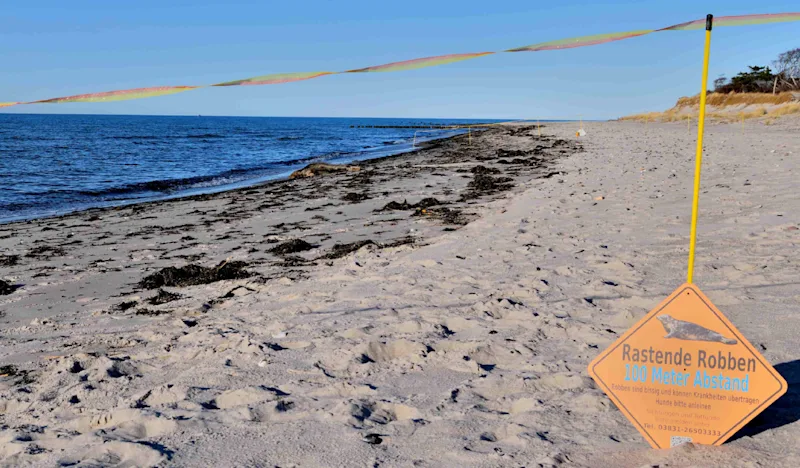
726, 108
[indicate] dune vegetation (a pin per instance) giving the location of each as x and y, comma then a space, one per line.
756, 93
727, 107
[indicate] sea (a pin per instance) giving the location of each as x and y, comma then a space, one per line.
56, 164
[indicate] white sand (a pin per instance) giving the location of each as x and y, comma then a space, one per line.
468, 351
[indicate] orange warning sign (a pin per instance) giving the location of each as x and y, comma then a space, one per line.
684, 373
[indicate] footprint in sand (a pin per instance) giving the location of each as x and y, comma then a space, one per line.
116, 453
162, 396
130, 423
246, 396
365, 413
281, 410
383, 352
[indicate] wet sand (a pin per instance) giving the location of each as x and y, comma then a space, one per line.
436, 308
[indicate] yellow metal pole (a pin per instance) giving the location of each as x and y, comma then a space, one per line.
701, 120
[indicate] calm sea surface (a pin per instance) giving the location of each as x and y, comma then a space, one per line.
52, 164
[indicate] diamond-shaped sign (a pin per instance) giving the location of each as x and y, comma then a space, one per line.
684, 373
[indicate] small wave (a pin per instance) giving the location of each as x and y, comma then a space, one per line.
29, 138
136, 137
311, 159
290, 138
206, 135
254, 133
170, 186
166, 137
161, 186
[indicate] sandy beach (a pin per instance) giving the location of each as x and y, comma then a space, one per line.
435, 308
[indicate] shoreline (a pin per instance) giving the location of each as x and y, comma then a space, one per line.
241, 185
378, 205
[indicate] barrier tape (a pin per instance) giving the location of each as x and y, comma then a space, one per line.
414, 64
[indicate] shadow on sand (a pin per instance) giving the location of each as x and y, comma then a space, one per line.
784, 411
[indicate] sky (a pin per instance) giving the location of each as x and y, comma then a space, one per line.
54, 48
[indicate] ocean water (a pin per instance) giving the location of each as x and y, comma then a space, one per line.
53, 164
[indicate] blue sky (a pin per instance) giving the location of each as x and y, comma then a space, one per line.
56, 48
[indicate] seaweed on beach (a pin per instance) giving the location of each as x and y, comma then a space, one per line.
7, 288
291, 261
424, 203
445, 215
484, 170
151, 312
396, 206
162, 297
504, 153
360, 179
340, 250
123, 306
549, 175
191, 275
9, 260
13, 371
45, 252
523, 131
291, 246
353, 197
427, 202
483, 184
524, 162
398, 242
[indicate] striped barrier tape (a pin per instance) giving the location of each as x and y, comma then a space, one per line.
584, 41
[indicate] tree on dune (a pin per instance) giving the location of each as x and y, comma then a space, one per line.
787, 67
760, 79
